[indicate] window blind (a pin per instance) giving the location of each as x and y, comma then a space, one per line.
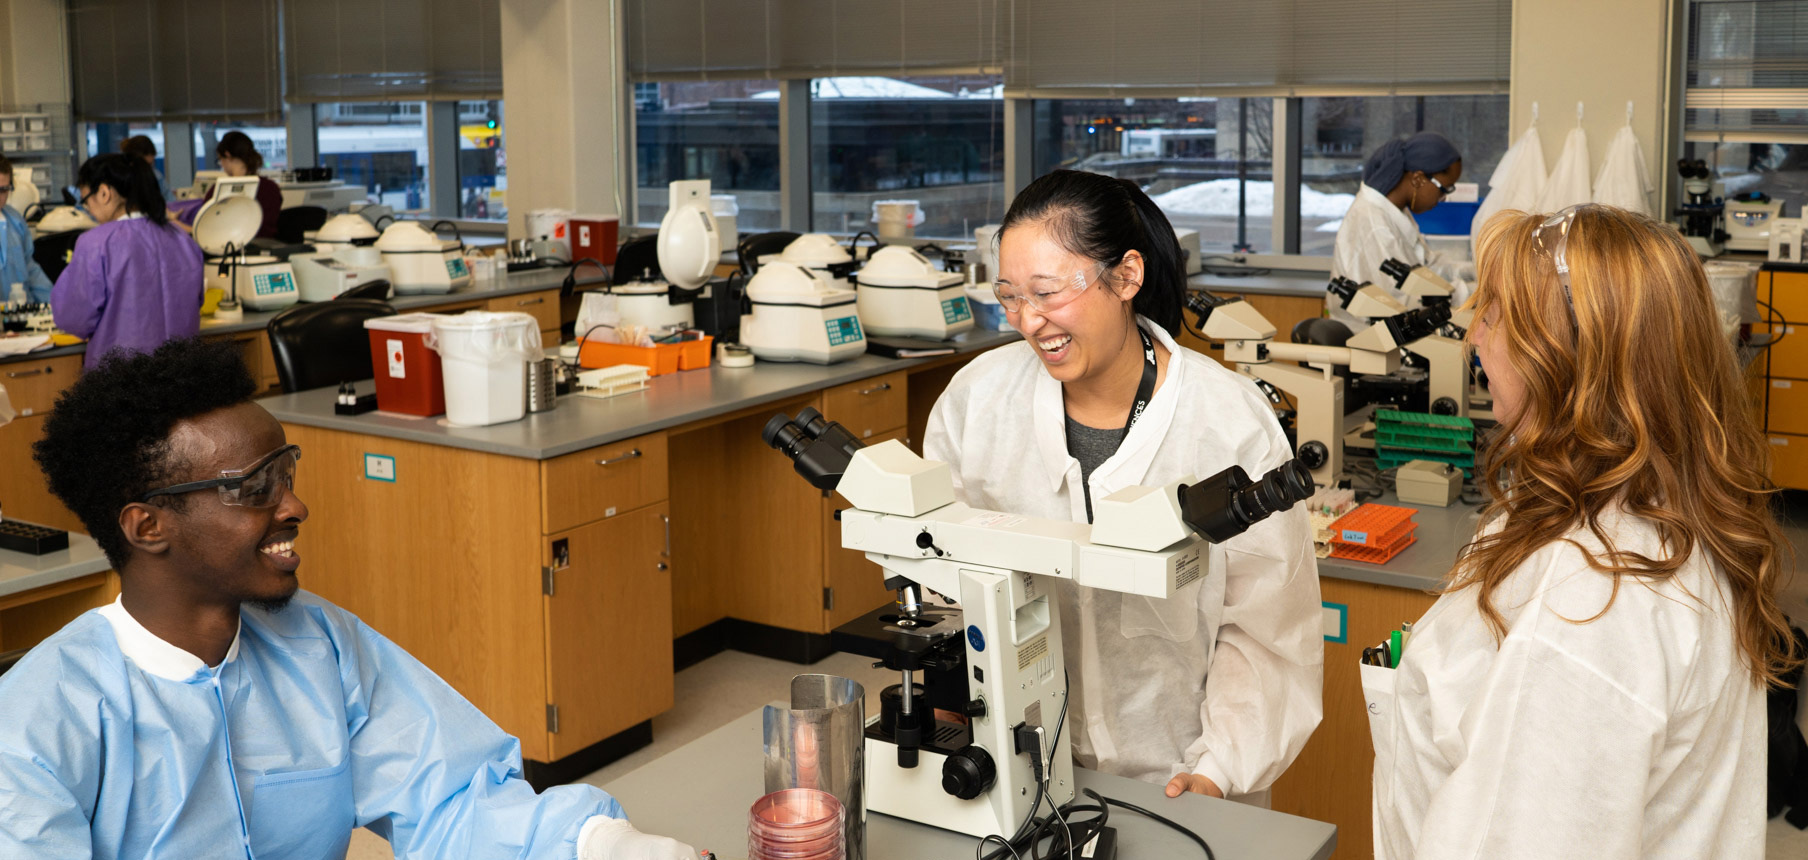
175, 60
392, 50
1747, 71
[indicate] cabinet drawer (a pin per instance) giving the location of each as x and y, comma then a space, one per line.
869, 407
33, 385
544, 305
598, 483
1789, 461
1787, 407
1788, 357
1786, 292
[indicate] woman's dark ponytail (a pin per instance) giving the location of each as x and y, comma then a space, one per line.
1101, 218
130, 178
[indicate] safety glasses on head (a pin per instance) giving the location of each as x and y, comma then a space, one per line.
1555, 245
1046, 292
258, 486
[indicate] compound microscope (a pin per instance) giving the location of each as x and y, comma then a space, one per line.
976, 736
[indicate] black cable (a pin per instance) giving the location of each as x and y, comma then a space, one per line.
1131, 807
1032, 827
1778, 329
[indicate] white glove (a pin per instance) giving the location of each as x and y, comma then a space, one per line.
605, 838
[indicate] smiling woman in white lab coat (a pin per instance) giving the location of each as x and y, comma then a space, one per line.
1401, 179
1213, 692
1591, 684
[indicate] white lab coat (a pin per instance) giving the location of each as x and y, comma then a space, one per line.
1517, 184
1569, 181
1624, 180
1374, 231
1637, 734
1225, 681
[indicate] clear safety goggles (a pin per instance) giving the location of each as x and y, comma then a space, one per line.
259, 486
1555, 248
1046, 293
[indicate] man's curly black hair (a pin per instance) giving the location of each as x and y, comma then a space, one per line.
106, 443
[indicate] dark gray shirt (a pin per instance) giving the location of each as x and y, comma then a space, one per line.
1092, 447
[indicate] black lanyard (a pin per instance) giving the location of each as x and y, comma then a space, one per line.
1145, 389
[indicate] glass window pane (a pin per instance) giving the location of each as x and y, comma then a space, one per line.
1779, 170
381, 146
722, 131
1337, 135
100, 138
936, 140
1206, 161
271, 140
482, 162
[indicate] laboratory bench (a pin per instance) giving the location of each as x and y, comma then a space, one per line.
701, 792
41, 593
34, 380
556, 570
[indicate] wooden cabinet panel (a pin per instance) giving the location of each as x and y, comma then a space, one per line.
444, 560
24, 492
544, 305
1331, 779
1788, 357
869, 407
1786, 293
33, 385
601, 482
858, 585
1788, 406
1789, 461
609, 627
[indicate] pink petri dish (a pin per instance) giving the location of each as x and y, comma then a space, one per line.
796, 824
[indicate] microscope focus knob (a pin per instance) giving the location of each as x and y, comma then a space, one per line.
1314, 454
1443, 406
976, 709
968, 772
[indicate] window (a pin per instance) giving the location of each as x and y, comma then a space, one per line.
482, 162
722, 131
1206, 161
1337, 134
1743, 112
936, 140
271, 140
381, 146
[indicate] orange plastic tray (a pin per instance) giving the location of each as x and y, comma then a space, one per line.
658, 359
1372, 555
694, 354
1373, 525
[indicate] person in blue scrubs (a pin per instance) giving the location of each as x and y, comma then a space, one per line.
16, 263
215, 710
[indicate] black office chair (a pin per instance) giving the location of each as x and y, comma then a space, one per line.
751, 249
292, 224
378, 290
52, 251
1321, 331
324, 343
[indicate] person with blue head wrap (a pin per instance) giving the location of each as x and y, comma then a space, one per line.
1401, 178
215, 710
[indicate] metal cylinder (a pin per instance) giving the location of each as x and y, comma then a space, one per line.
542, 384
819, 742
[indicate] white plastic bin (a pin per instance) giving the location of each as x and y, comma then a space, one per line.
484, 357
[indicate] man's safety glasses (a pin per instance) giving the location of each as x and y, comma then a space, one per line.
259, 486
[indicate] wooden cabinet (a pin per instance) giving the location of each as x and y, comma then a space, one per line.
869, 407
33, 385
544, 305
598, 483
608, 627
1779, 375
30, 617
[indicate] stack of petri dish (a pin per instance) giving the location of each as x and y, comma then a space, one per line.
796, 824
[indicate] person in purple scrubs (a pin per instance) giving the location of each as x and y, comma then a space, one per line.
135, 281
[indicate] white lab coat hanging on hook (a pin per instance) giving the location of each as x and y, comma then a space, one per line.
1625, 180
1518, 181
1569, 182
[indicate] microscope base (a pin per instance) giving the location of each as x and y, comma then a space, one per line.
915, 794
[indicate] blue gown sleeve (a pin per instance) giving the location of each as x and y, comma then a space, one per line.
436, 777
81, 291
51, 729
37, 284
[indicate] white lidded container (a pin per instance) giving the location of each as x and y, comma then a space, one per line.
421, 262
484, 356
343, 232
798, 315
902, 294
897, 219
223, 229
818, 251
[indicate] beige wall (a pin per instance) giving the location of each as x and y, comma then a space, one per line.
561, 64
1601, 53
34, 53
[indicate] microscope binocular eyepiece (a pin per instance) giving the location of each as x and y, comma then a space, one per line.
820, 448
1416, 324
1396, 269
1228, 503
1344, 289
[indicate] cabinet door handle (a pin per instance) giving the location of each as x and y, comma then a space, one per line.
525, 302
883, 386
20, 374
664, 566
631, 455
667, 553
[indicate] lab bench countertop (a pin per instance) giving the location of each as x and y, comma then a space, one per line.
20, 572
1277, 282
700, 794
518, 282
580, 422
1442, 532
